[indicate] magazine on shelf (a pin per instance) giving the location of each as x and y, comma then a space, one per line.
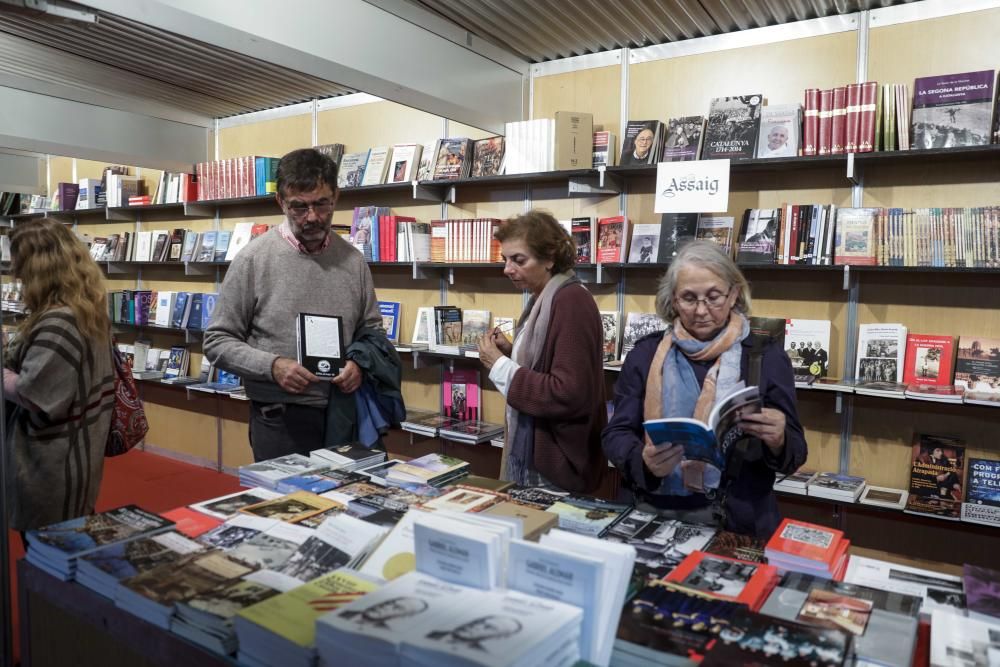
708, 441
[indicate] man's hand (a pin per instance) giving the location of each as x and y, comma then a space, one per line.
661, 459
349, 378
291, 375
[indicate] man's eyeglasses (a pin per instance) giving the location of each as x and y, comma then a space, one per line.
712, 301
299, 210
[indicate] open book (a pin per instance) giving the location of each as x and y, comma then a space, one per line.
708, 442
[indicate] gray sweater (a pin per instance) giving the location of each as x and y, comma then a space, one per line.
268, 284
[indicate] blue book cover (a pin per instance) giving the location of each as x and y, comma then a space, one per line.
310, 483
222, 245
194, 317
984, 482
389, 310
87, 533
259, 171
180, 309
208, 309
227, 378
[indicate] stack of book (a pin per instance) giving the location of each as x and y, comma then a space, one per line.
207, 618
268, 473
428, 424
432, 469
587, 516
724, 579
832, 486
348, 457
797, 546
471, 431
229, 505
281, 630
102, 570
320, 481
797, 482
56, 548
934, 589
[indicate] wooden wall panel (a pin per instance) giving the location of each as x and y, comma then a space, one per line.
272, 138
235, 419
781, 72
596, 91
456, 129
180, 425
377, 124
60, 171
932, 185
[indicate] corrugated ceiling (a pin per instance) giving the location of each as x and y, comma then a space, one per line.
540, 30
124, 58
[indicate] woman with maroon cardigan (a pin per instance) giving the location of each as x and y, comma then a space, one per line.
705, 353
553, 374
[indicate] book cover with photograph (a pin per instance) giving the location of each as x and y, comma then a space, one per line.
881, 349
884, 497
683, 137
352, 170
475, 323
604, 149
612, 238
447, 325
660, 543
291, 508
641, 143
645, 244
676, 229
761, 640
460, 393
780, 135
724, 578
389, 311
582, 230
718, 230
487, 157
638, 325
982, 494
452, 159
609, 323
733, 125
937, 476
977, 366
952, 110
759, 236
855, 236
807, 344
75, 537
404, 162
929, 360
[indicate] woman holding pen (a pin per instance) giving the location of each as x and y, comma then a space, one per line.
552, 375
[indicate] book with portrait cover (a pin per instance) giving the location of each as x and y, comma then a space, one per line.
779, 131
807, 343
929, 360
645, 244
403, 163
982, 494
683, 137
487, 157
724, 578
352, 170
937, 476
641, 143
460, 393
676, 229
952, 110
582, 230
733, 125
609, 323
291, 508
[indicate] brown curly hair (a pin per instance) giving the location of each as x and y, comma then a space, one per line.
56, 270
544, 236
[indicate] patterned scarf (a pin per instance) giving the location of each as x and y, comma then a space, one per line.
672, 388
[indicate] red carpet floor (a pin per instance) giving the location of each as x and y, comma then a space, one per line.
152, 482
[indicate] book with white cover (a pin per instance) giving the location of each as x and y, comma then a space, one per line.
939, 591
230, 504
883, 496
404, 163
340, 541
423, 327
165, 302
957, 641
881, 351
378, 163
242, 234
273, 547
236, 531
458, 552
807, 343
395, 556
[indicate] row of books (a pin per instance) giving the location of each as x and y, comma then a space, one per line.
152, 363
433, 424
179, 310
234, 178
943, 483
178, 245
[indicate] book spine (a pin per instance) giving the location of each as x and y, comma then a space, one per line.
867, 117
838, 123
825, 127
853, 110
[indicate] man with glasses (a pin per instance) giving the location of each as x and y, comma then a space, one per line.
300, 266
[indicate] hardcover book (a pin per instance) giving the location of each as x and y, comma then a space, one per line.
733, 125
953, 110
683, 139
641, 143
982, 495
929, 360
779, 131
937, 476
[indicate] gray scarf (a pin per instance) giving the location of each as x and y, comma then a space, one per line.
519, 450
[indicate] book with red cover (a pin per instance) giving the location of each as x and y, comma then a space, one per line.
867, 116
806, 543
929, 360
839, 122
825, 122
190, 522
853, 110
612, 237
810, 122
724, 578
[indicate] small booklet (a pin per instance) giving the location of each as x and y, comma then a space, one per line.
320, 343
708, 442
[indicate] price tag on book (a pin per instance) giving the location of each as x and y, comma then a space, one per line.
701, 186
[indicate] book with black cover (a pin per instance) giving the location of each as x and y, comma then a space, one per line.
320, 343
676, 229
733, 124
755, 639
759, 236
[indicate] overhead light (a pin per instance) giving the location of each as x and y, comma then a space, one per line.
56, 8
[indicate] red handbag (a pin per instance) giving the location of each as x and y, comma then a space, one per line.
128, 419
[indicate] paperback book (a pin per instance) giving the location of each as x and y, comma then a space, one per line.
982, 496
937, 476
977, 368
953, 110
807, 343
641, 143
881, 350
683, 139
639, 325
759, 236
675, 229
779, 131
609, 324
884, 497
460, 394
732, 129
929, 360
800, 646
718, 230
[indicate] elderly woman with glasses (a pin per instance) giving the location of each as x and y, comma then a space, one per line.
681, 372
